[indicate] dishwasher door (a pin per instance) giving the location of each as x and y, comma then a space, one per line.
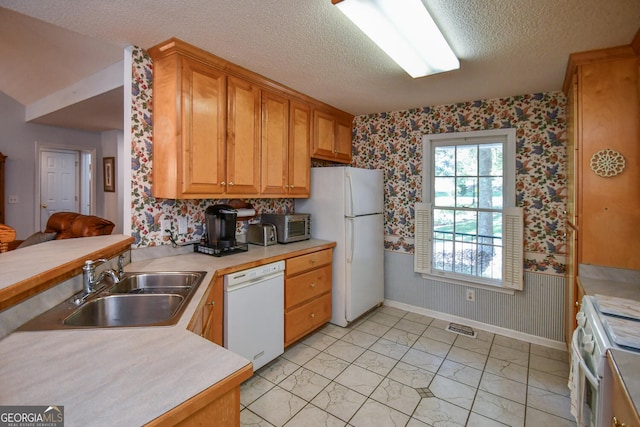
254, 313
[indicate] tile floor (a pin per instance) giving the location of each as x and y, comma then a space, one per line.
396, 368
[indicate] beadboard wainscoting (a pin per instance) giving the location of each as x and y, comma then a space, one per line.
535, 314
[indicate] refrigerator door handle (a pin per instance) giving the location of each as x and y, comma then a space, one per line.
351, 239
350, 201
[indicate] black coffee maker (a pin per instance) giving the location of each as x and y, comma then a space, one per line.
221, 226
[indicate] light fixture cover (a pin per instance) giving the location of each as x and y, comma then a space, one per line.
405, 31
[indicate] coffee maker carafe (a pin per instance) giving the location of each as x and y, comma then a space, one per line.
221, 226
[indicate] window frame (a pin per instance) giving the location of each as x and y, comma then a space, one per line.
507, 136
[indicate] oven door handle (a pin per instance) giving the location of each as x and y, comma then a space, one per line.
583, 366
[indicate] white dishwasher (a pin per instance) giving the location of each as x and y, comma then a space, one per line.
254, 313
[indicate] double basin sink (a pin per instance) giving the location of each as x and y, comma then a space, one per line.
138, 299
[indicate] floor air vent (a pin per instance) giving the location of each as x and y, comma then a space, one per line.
462, 330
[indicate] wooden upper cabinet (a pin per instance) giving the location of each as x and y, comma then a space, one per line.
332, 136
243, 138
189, 111
275, 144
607, 208
221, 131
299, 164
286, 159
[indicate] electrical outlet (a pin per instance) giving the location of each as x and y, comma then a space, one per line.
471, 295
182, 225
165, 225
14, 199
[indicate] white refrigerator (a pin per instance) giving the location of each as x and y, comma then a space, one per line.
346, 206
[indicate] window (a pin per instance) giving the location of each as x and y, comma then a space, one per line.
468, 230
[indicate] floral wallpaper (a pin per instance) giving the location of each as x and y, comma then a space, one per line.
147, 212
392, 141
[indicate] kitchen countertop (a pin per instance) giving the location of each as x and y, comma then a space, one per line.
618, 283
127, 376
615, 282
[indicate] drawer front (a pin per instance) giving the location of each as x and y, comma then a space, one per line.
304, 319
307, 286
303, 263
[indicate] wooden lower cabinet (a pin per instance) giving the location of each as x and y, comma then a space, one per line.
218, 405
623, 411
208, 319
307, 294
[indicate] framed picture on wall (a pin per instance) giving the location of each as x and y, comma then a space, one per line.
109, 168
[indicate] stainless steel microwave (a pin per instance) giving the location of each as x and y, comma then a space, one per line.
289, 227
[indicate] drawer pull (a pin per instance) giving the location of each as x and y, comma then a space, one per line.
313, 315
313, 261
313, 285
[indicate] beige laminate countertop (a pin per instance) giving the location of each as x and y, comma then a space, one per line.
125, 376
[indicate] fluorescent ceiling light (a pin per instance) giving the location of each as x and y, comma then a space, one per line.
405, 31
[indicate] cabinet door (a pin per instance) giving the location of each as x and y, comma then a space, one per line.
299, 150
243, 138
623, 410
609, 208
323, 134
331, 136
203, 155
212, 312
343, 140
189, 108
275, 144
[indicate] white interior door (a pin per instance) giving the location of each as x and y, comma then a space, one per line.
59, 183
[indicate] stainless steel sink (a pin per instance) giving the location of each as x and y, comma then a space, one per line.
125, 310
156, 283
139, 299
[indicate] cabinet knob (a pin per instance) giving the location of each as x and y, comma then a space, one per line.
291, 187
43, 206
313, 315
578, 304
312, 261
313, 285
231, 184
223, 183
212, 303
616, 423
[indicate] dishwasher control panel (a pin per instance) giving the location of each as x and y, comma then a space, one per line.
253, 273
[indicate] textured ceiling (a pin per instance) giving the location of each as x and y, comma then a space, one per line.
506, 47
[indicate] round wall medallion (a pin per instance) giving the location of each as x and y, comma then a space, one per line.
607, 163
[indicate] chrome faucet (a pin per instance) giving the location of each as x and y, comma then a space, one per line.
121, 266
89, 280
